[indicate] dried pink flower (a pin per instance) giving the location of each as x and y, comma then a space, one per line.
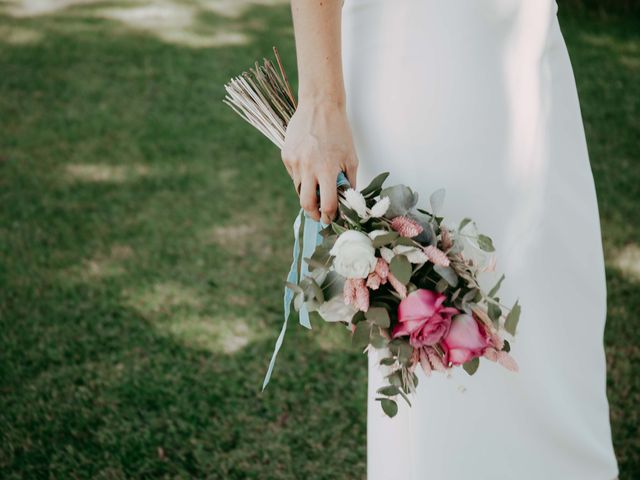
374, 281
382, 269
507, 361
445, 239
349, 291
397, 285
424, 362
362, 295
406, 226
437, 256
435, 360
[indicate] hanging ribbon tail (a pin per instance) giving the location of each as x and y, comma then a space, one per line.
288, 294
306, 232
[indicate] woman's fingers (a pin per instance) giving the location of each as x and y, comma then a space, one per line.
308, 196
328, 197
351, 170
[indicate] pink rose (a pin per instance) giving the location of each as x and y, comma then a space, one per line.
465, 340
422, 317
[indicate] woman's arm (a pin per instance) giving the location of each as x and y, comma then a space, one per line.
318, 143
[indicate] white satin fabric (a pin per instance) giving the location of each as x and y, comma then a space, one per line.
478, 97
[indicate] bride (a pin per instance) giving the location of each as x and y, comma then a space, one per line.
477, 97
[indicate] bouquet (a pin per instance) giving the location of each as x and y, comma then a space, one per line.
401, 279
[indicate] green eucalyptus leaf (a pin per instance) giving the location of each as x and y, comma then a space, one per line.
404, 352
338, 229
379, 316
442, 285
361, 335
389, 390
388, 361
377, 340
389, 406
384, 239
448, 274
471, 366
464, 223
357, 317
395, 378
401, 268
496, 287
375, 185
485, 243
494, 312
506, 347
408, 242
437, 200
513, 317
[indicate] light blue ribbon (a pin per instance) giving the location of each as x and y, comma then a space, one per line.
306, 232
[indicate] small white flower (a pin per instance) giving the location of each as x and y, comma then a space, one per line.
380, 208
356, 202
354, 255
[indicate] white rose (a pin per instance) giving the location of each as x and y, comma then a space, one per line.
354, 255
335, 310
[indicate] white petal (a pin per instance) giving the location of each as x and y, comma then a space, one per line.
387, 254
380, 208
356, 201
376, 233
413, 254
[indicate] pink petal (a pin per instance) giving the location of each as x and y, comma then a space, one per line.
507, 361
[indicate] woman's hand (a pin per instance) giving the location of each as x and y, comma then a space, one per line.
318, 146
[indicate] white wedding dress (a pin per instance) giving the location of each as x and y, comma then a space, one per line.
478, 97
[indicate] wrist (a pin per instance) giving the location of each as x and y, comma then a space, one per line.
330, 99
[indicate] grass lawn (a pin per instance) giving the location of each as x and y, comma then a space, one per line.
137, 212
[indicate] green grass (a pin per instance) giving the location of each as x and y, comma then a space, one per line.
145, 233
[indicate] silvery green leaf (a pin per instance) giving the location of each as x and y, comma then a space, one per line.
470, 295
333, 285
389, 406
401, 268
471, 366
339, 229
464, 223
401, 200
406, 399
513, 317
494, 312
506, 347
442, 285
496, 287
404, 352
455, 294
361, 335
358, 317
377, 340
485, 243
448, 274
375, 185
388, 361
315, 264
437, 200
295, 288
379, 316
395, 378
389, 390
385, 239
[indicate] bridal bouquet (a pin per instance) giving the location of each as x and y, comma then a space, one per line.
394, 273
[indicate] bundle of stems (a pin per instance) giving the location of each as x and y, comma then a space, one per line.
262, 96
